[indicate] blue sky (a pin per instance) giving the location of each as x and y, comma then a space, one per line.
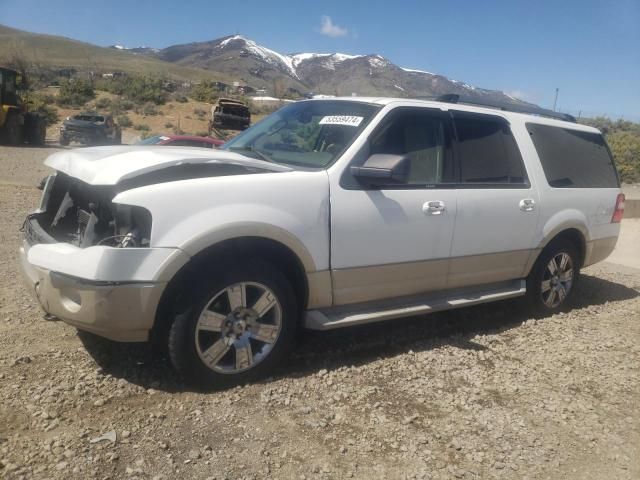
588, 49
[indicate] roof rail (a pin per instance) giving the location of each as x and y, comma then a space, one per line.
507, 107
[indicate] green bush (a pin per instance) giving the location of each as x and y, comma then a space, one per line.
138, 89
205, 91
102, 103
124, 121
75, 93
141, 127
148, 109
623, 138
119, 106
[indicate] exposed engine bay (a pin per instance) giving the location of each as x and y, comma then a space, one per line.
84, 215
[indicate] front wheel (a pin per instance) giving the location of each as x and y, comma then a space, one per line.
241, 323
551, 283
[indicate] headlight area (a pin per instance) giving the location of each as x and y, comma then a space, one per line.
85, 215
132, 227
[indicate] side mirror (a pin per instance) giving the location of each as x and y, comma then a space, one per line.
383, 169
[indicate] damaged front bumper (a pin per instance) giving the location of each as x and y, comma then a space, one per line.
110, 292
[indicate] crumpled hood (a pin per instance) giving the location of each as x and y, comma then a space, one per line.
110, 165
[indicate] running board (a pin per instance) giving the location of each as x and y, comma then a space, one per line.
358, 314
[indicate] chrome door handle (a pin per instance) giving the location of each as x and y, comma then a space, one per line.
434, 207
527, 204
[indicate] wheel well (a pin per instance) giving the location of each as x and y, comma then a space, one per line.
576, 238
176, 295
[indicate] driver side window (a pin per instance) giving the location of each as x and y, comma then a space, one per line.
422, 137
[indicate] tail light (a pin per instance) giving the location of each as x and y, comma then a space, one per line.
618, 213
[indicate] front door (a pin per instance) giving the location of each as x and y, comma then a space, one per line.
395, 240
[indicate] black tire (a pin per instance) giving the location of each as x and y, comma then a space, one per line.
559, 288
64, 140
117, 139
186, 344
12, 130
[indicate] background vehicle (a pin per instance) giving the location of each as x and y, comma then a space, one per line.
327, 214
229, 114
90, 128
17, 125
182, 141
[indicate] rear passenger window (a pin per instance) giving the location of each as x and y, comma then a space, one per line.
573, 158
487, 151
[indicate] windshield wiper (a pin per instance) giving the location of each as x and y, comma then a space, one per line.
262, 156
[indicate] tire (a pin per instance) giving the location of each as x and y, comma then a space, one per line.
212, 348
548, 292
12, 130
117, 139
35, 129
64, 140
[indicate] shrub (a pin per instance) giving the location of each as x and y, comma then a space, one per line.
103, 103
205, 91
75, 93
141, 127
168, 125
148, 109
138, 89
199, 112
180, 98
178, 131
124, 121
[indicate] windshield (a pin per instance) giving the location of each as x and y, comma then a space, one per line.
309, 134
152, 140
89, 118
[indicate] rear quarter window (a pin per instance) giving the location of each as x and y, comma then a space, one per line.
573, 158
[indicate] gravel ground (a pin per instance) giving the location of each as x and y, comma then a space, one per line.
483, 392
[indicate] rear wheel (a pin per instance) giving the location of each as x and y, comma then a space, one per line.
552, 280
241, 324
13, 130
64, 140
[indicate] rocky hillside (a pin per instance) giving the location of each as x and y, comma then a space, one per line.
331, 73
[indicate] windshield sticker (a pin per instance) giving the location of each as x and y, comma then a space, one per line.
349, 120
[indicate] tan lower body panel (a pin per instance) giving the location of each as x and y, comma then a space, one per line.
356, 285
320, 290
363, 284
598, 250
487, 268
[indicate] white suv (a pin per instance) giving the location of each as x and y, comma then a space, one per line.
328, 213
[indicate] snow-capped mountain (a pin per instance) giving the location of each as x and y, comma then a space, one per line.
140, 50
330, 73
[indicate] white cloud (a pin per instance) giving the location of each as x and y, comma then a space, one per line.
330, 29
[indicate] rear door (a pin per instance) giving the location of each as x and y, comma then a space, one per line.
498, 208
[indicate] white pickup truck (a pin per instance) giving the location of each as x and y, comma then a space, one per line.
328, 213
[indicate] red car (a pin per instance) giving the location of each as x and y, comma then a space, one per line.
182, 141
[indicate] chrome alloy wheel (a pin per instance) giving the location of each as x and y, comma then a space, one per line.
238, 328
557, 280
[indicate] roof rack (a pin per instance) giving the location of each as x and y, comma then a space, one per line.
533, 109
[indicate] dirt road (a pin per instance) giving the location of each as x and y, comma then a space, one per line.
484, 392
